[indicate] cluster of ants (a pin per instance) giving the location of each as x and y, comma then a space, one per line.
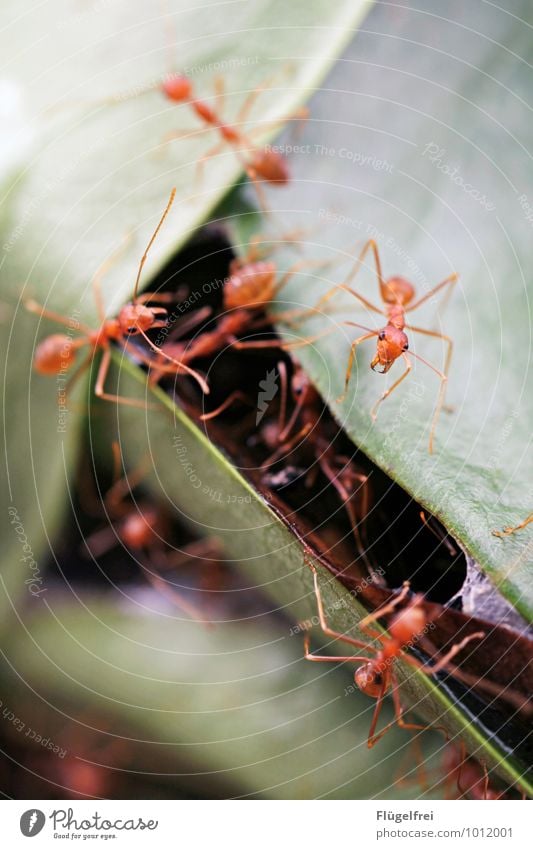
250, 291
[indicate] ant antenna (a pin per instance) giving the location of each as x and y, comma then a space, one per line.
151, 242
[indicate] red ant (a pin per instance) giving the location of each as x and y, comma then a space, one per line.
376, 675
461, 775
141, 527
513, 529
267, 165
57, 353
248, 290
397, 295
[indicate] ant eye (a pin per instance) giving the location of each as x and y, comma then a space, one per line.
406, 346
381, 334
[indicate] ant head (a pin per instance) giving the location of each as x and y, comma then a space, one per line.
409, 623
397, 290
136, 318
299, 383
54, 354
369, 679
392, 343
270, 166
177, 87
250, 286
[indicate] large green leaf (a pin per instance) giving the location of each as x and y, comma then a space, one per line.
80, 178
234, 708
193, 477
422, 139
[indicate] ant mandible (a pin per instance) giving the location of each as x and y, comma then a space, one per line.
57, 353
397, 295
376, 676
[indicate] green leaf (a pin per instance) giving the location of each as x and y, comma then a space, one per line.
432, 159
80, 177
234, 705
203, 488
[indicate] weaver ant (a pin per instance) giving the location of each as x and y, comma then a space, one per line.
250, 287
260, 165
513, 529
57, 353
141, 528
461, 775
265, 164
397, 295
376, 676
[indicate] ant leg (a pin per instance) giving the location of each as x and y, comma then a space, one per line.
284, 380
346, 499
301, 114
372, 736
398, 718
237, 395
448, 281
33, 306
318, 658
384, 610
374, 410
287, 447
511, 530
445, 659
219, 87
340, 287
257, 183
295, 268
187, 369
351, 359
250, 98
100, 392
443, 375
360, 644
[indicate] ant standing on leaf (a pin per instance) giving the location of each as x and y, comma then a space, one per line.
264, 165
57, 353
398, 296
375, 676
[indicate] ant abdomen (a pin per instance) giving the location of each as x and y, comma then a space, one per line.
398, 290
408, 623
54, 354
251, 286
270, 166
